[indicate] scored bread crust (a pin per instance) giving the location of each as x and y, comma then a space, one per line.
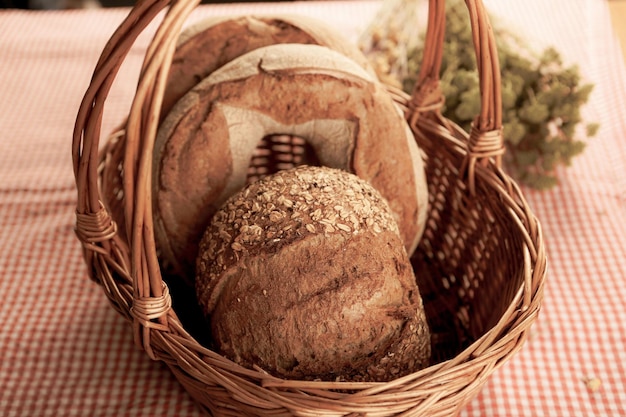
212, 42
204, 146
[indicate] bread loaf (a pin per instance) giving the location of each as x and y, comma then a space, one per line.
212, 42
204, 147
304, 274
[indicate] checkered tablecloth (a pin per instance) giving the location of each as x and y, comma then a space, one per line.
65, 352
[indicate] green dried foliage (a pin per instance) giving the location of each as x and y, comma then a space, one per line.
542, 98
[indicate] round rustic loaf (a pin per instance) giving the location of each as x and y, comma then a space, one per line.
204, 147
212, 42
304, 274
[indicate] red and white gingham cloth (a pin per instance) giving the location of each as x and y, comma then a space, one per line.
65, 352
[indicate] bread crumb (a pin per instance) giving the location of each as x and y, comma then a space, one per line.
593, 384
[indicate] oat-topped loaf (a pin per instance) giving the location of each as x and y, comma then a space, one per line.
304, 274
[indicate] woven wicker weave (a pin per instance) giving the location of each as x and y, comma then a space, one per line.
481, 263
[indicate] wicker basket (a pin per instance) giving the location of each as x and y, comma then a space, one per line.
481, 259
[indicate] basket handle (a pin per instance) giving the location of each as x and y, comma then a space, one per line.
485, 141
144, 296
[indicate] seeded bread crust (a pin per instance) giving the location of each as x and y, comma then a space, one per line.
304, 274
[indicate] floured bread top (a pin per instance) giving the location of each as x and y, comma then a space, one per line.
287, 56
212, 42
